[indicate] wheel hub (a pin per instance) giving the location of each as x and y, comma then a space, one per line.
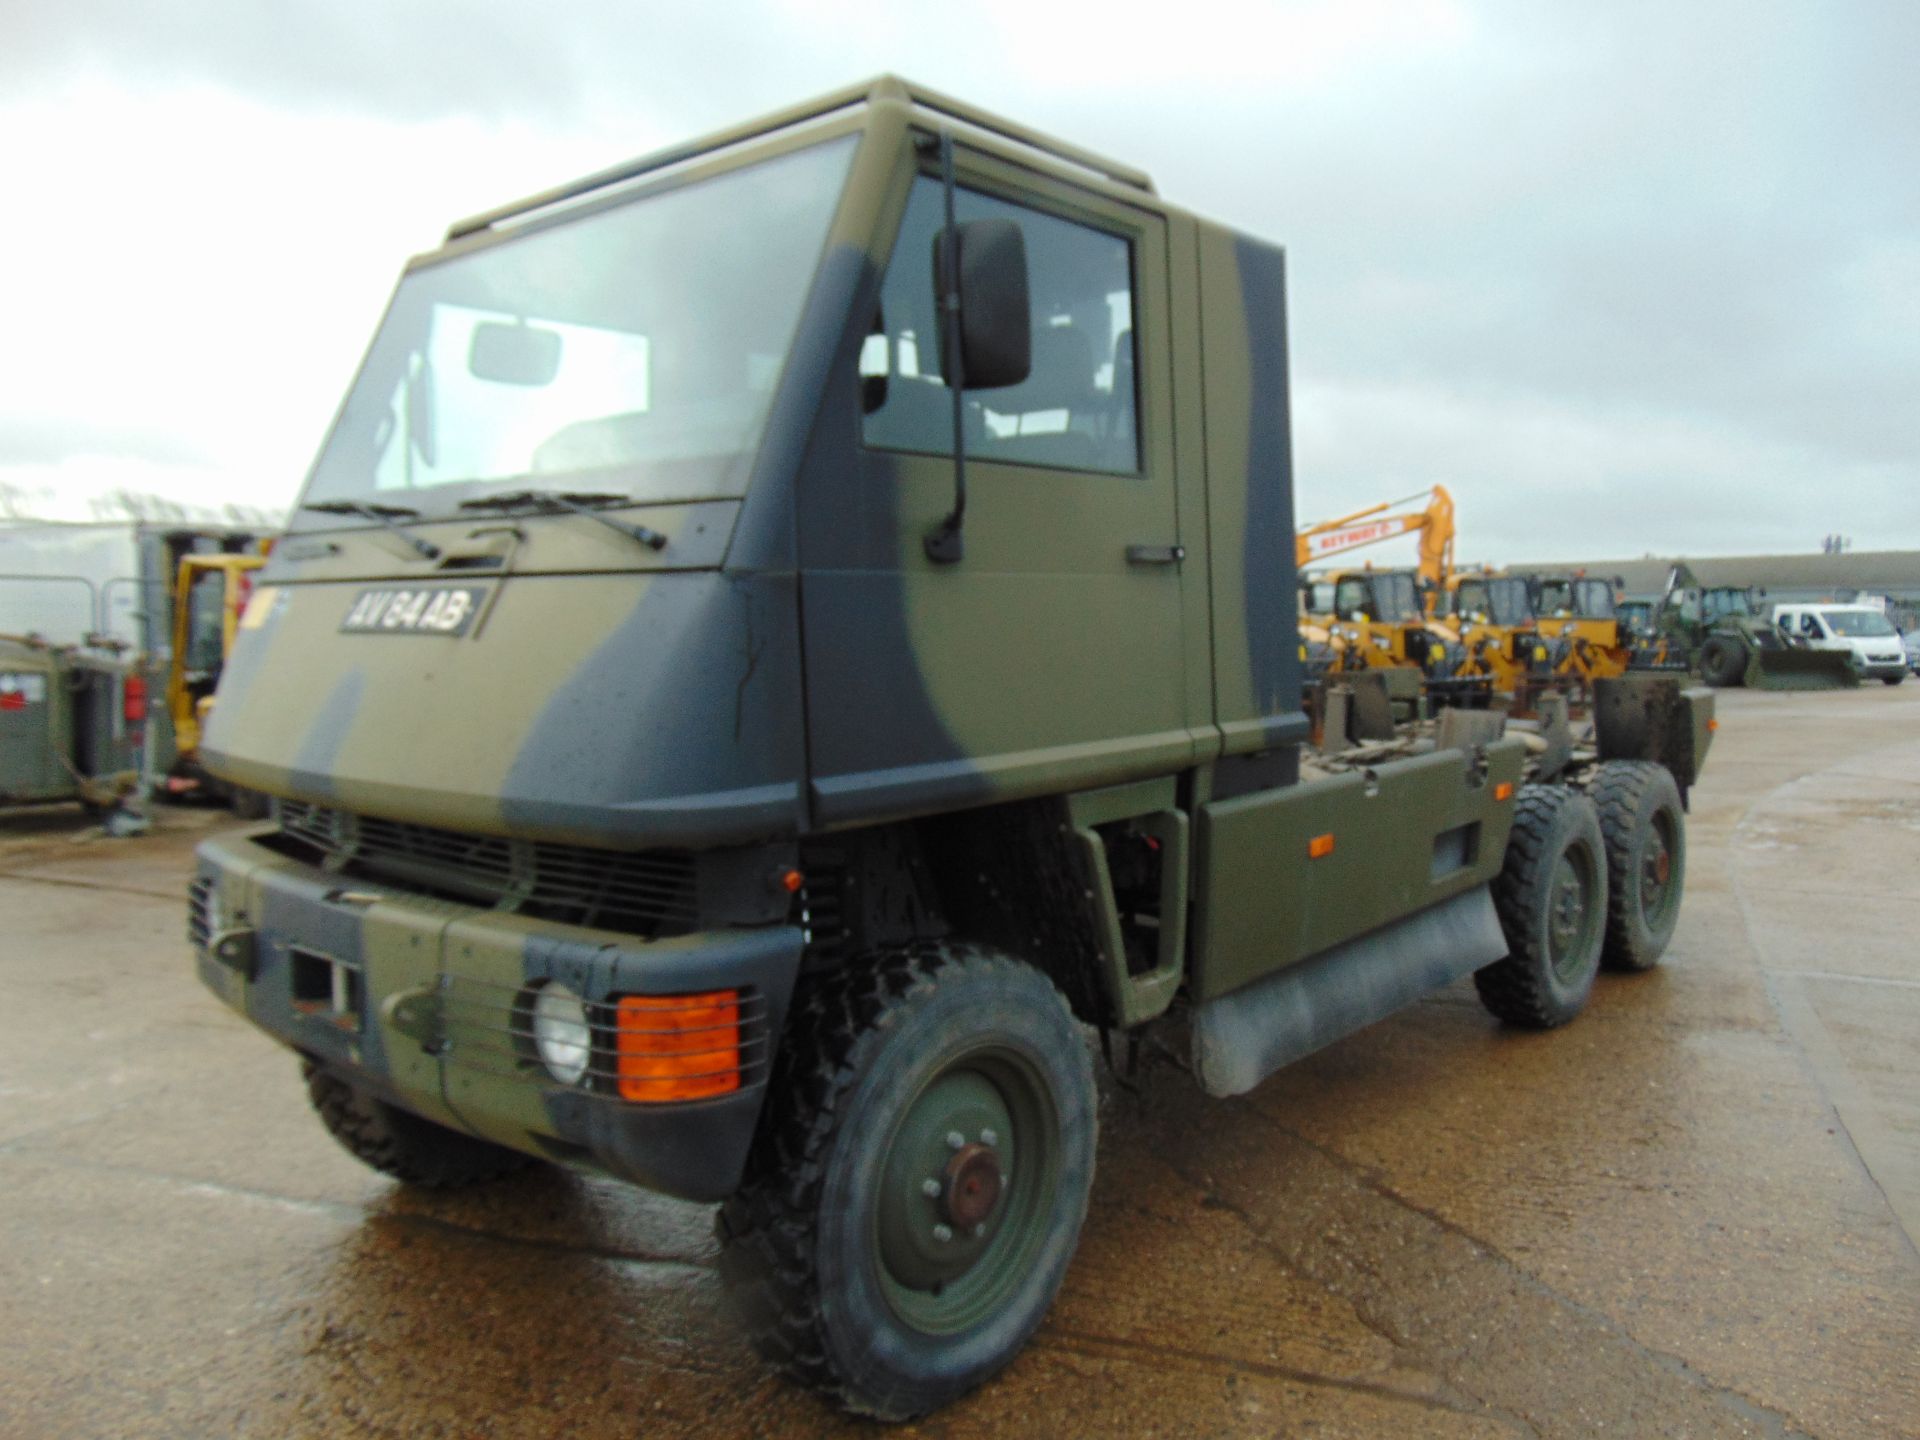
970, 1186
1567, 913
943, 1198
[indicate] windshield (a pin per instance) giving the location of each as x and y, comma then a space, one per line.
1502, 601
1726, 602
1556, 597
641, 343
1394, 597
1593, 598
1862, 624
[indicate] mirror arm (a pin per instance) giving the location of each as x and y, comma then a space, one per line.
943, 542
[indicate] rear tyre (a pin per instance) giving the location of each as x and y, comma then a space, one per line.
1723, 662
1551, 897
402, 1144
919, 1179
1645, 830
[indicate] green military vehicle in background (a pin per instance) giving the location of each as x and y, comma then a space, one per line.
787, 635
1725, 633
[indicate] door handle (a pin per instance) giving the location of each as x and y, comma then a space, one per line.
1156, 554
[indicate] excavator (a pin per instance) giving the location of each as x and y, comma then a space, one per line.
1579, 616
1499, 631
1378, 619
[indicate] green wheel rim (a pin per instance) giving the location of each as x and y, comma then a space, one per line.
1659, 871
1572, 918
967, 1190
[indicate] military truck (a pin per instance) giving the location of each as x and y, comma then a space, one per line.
787, 636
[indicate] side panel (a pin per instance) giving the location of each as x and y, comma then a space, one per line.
1404, 836
1256, 645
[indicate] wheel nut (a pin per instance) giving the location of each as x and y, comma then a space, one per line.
942, 1233
955, 1140
930, 1188
989, 1137
979, 1229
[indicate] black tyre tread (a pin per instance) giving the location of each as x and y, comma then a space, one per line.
1512, 989
1718, 672
766, 1229
1619, 790
413, 1150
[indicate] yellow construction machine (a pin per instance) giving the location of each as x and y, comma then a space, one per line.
209, 593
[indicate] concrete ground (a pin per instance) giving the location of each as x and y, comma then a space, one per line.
1692, 1213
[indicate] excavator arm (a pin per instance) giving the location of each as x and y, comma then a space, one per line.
1433, 523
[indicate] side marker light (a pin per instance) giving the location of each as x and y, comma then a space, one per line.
1319, 847
1503, 791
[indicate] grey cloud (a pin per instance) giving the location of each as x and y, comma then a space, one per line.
1638, 216
48, 440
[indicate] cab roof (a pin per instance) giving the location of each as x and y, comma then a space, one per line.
884, 89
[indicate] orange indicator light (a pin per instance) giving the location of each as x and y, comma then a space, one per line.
678, 1047
791, 880
1320, 846
1503, 791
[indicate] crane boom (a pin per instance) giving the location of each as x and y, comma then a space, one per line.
1433, 522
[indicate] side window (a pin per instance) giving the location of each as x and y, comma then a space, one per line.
1077, 410
1350, 601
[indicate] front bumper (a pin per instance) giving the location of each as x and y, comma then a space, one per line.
423, 1002
1884, 669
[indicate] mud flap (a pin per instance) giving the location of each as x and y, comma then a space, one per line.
1245, 1036
1652, 717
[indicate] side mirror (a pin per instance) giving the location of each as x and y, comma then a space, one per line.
996, 316
514, 354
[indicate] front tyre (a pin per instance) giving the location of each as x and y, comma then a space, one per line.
402, 1144
1723, 662
919, 1179
1551, 897
1646, 834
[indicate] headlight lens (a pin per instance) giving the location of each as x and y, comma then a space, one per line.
561, 1036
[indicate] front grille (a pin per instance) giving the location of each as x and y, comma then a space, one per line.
200, 924
650, 893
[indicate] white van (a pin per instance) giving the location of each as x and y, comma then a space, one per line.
1862, 629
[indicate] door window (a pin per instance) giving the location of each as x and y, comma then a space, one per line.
1078, 408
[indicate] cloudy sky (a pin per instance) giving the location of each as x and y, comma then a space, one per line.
1631, 277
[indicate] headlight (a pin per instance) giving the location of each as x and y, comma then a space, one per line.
560, 1034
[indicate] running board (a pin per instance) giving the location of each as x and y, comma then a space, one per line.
1243, 1037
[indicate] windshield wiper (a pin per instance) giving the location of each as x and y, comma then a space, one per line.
388, 515
572, 502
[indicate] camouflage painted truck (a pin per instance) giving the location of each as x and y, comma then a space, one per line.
712, 750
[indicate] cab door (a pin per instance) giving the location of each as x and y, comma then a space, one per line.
1049, 657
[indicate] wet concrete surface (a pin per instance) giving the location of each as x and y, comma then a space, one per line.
1693, 1212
